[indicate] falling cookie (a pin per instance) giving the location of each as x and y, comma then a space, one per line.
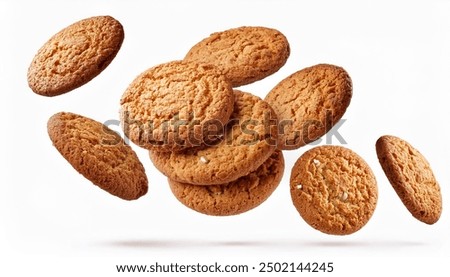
174, 106
249, 139
333, 189
75, 55
309, 103
245, 54
236, 197
99, 154
411, 177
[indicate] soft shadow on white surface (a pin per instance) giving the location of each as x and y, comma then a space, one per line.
174, 244
372, 244
164, 243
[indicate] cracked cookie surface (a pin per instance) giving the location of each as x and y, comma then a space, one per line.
411, 177
75, 55
245, 54
249, 139
309, 103
173, 106
333, 189
235, 197
99, 154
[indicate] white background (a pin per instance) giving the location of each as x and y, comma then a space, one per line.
54, 222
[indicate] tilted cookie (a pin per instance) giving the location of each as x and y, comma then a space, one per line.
249, 139
235, 197
245, 54
333, 189
411, 177
175, 105
309, 103
99, 154
75, 55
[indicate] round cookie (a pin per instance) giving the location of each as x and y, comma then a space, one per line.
172, 106
249, 139
235, 197
75, 55
333, 189
99, 154
309, 103
245, 54
411, 177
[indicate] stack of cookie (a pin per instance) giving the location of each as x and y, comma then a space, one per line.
217, 145
221, 148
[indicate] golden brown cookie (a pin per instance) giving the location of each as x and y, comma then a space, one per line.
249, 139
75, 55
99, 154
174, 106
411, 177
245, 54
309, 103
235, 197
333, 189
